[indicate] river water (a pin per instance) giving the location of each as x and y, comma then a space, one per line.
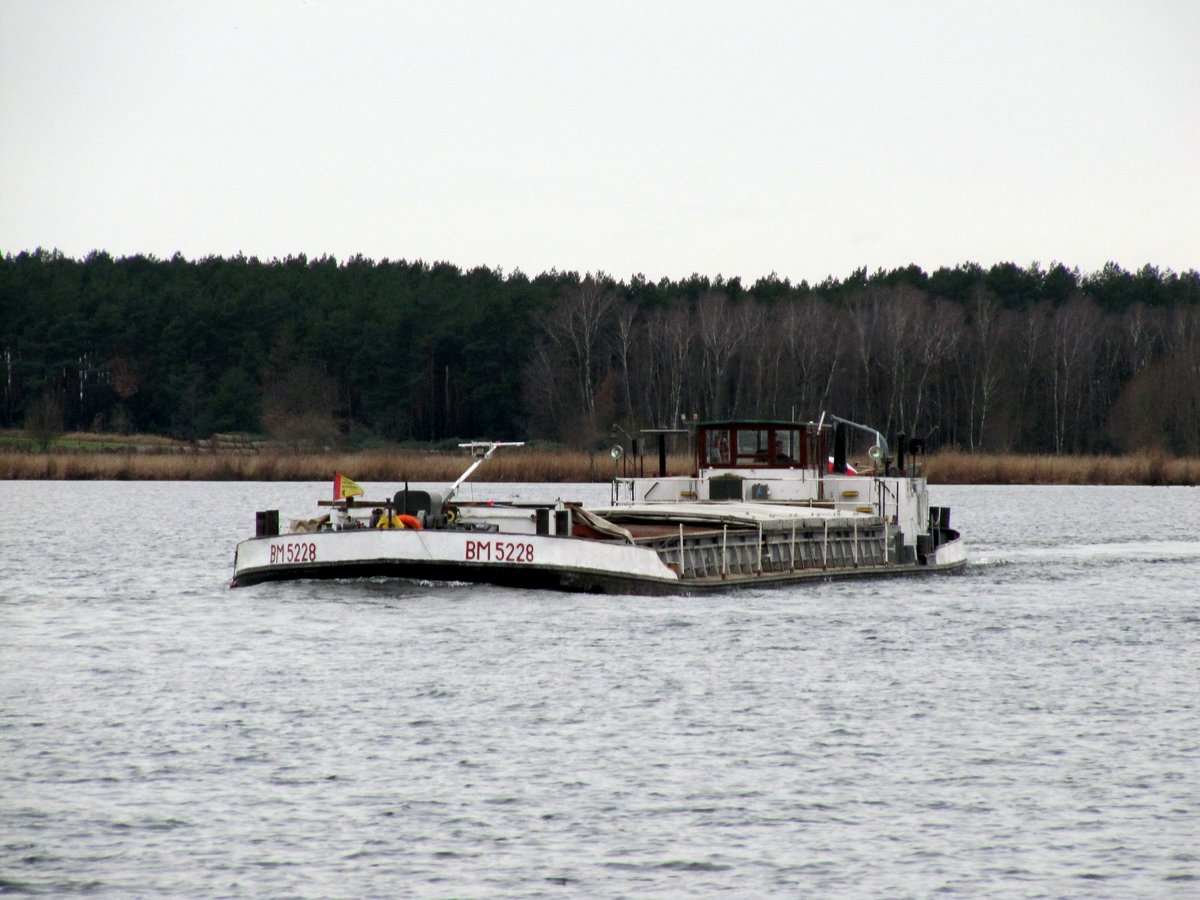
1028, 728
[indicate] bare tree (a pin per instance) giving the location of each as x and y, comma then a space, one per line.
755, 363
1181, 387
542, 387
624, 341
1143, 331
767, 367
979, 367
863, 311
721, 332
897, 326
811, 329
1025, 378
1073, 335
939, 330
577, 325
668, 350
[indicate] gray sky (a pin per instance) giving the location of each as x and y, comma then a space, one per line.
737, 138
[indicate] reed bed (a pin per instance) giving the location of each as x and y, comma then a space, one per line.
1150, 468
541, 465
392, 465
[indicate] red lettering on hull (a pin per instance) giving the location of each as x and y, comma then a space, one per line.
498, 551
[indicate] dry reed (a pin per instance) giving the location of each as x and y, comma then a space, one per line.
536, 465
510, 465
956, 467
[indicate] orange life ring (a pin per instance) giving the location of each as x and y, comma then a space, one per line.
411, 522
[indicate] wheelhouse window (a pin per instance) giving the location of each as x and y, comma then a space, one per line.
755, 445
716, 447
788, 446
752, 446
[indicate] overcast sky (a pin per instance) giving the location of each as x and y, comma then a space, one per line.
735, 139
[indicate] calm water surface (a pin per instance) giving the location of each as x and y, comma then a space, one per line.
1029, 728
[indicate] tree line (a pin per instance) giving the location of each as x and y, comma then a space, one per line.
321, 352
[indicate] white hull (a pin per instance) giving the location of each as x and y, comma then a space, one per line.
533, 561
512, 559
948, 556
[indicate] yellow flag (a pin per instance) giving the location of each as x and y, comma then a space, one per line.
344, 487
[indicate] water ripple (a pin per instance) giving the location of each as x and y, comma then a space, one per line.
1028, 729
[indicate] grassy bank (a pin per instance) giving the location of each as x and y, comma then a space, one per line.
156, 462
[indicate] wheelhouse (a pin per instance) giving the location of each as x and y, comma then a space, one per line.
741, 444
